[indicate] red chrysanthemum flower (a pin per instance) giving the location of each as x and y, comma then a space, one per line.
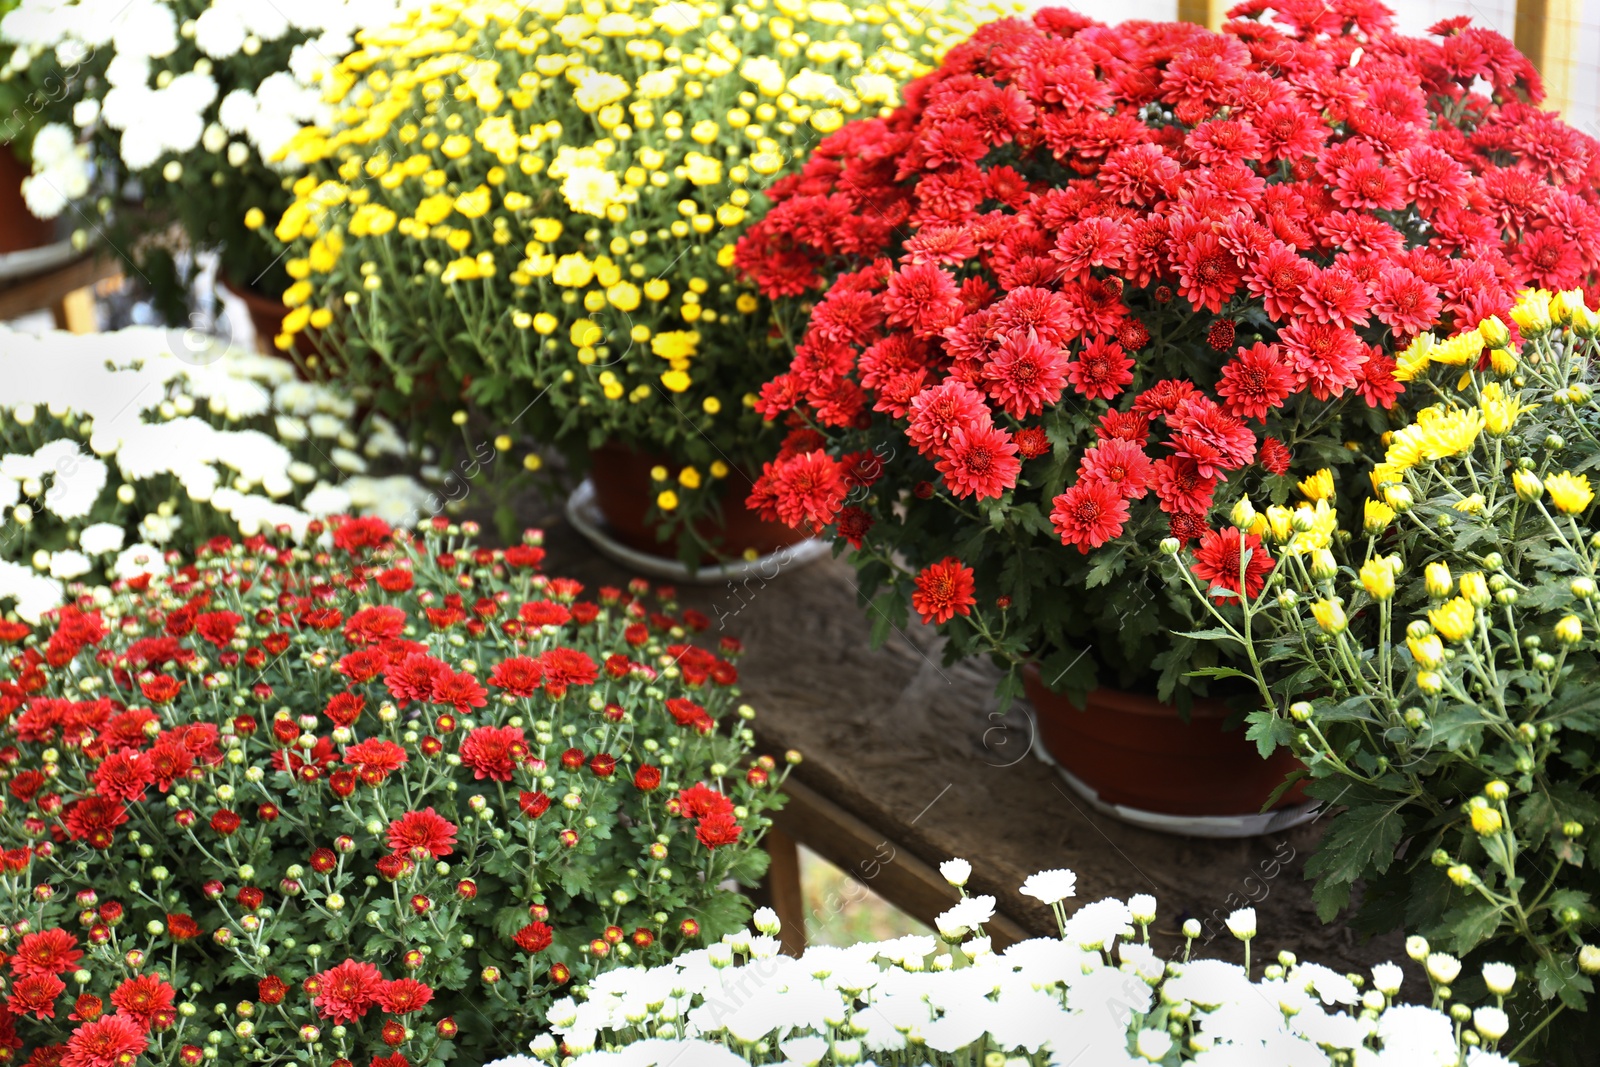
402, 996
460, 690
1120, 464
35, 994
347, 991
1101, 371
981, 462
534, 937
700, 800
374, 624
1274, 456
345, 708
564, 668
1181, 488
142, 998
517, 675
415, 678
718, 829
1224, 560
1026, 374
940, 411
494, 751
1089, 514
923, 298
123, 776
943, 591
1255, 381
426, 830
376, 756
93, 819
110, 1041
217, 627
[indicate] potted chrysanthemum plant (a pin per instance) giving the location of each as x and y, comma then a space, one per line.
1435, 670
530, 212
1088, 283
380, 801
159, 121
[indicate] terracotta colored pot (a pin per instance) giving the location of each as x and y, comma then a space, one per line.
624, 491
19, 228
266, 316
1135, 752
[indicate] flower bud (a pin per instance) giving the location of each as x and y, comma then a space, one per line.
1475, 589
1323, 565
1377, 578
1243, 514
1589, 959
1427, 651
1494, 332
1486, 821
1437, 577
1499, 978
1417, 948
1300, 711
1442, 967
1330, 616
1569, 630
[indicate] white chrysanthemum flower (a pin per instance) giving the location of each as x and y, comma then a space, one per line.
347, 460
1442, 967
956, 871
33, 593
1097, 925
1051, 887
1153, 1045
1142, 907
1499, 978
100, 538
158, 528
1330, 986
1242, 924
766, 920
290, 428
1387, 977
967, 915
68, 564
1491, 1022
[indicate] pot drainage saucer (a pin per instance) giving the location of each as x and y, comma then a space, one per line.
1257, 824
583, 512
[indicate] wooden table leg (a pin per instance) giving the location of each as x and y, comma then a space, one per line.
780, 890
75, 312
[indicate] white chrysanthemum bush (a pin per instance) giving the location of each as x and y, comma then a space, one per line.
113, 450
178, 109
1099, 994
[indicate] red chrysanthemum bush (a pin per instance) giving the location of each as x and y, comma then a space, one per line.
1089, 279
371, 805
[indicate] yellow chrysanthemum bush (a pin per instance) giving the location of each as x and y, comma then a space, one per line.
1437, 670
533, 208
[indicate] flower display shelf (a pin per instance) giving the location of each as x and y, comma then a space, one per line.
908, 762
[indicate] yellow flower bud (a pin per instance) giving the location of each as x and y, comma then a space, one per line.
689, 478
1494, 332
1565, 306
1377, 516
1243, 514
254, 219
1427, 650
667, 500
1280, 522
1377, 578
711, 405
1528, 486
1475, 589
1497, 790
1430, 682
1532, 312
1437, 577
1569, 630
1486, 821
1330, 616
1323, 565
719, 469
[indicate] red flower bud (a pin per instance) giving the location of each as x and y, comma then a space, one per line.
225, 822
568, 838
420, 904
111, 912
192, 1055
447, 1028
261, 691
614, 935
163, 1020
560, 975
393, 1033
267, 812
533, 804
538, 911
271, 989
244, 725
88, 1007
431, 746
99, 934
323, 860
603, 766
344, 843
756, 776
412, 959
343, 783
599, 949
689, 928
572, 759
467, 889
643, 938
613, 713
445, 723
647, 779
213, 890
250, 898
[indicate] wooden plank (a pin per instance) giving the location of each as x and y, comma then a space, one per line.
48, 289
1207, 13
781, 890
889, 870
1547, 32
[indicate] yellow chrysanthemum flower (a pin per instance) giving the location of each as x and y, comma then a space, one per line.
1318, 486
1570, 493
1532, 312
1454, 619
1377, 516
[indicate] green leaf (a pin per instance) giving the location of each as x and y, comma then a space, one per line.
1562, 980
1361, 839
1217, 672
1472, 924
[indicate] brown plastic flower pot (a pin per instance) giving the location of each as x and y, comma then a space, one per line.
1136, 753
625, 492
20, 229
